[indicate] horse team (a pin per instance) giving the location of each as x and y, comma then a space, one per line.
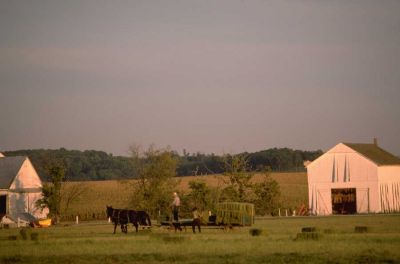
123, 217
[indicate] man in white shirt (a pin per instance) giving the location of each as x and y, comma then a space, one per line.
176, 203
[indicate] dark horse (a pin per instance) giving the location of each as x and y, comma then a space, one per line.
143, 218
123, 217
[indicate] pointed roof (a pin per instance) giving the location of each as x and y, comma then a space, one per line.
9, 168
375, 153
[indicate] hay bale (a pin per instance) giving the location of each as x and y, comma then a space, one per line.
360, 229
308, 229
25, 233
12, 237
308, 236
232, 213
255, 231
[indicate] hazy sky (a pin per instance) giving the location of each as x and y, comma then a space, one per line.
208, 75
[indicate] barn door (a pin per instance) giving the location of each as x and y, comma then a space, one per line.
344, 201
3, 204
363, 200
323, 195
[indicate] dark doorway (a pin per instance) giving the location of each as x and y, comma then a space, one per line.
3, 204
344, 201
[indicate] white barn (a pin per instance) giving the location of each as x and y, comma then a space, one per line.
354, 178
20, 188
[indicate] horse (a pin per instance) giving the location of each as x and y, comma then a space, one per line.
123, 217
118, 217
143, 218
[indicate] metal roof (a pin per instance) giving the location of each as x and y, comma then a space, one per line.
9, 167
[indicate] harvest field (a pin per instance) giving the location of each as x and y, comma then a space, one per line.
93, 242
98, 194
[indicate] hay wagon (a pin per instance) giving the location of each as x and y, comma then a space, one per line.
235, 214
228, 214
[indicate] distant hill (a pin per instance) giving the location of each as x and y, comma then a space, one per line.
99, 165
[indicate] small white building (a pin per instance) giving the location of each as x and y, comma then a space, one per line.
20, 188
354, 178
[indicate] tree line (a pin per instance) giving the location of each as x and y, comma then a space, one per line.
99, 165
156, 181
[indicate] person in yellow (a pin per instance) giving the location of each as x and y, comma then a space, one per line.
196, 220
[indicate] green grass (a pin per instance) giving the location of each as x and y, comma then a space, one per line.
93, 242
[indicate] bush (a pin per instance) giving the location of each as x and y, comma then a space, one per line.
12, 237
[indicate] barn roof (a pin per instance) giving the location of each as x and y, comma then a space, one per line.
375, 153
9, 167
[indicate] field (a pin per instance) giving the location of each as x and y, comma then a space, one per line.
93, 242
98, 194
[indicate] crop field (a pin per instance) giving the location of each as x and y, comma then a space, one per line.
98, 194
334, 240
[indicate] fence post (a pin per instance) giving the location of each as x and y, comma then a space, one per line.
286, 212
279, 212
77, 219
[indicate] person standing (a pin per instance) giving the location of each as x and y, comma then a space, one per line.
196, 220
176, 203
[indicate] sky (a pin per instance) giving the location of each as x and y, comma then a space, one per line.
210, 76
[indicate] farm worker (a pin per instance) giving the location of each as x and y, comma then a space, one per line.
196, 220
176, 203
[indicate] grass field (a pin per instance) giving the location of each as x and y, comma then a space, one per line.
93, 242
98, 194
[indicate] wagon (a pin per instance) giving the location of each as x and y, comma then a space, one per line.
228, 214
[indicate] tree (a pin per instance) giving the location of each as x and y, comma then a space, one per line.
71, 192
51, 192
156, 169
240, 188
267, 195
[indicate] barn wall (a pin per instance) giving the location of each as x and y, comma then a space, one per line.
389, 188
24, 191
26, 177
342, 167
25, 203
